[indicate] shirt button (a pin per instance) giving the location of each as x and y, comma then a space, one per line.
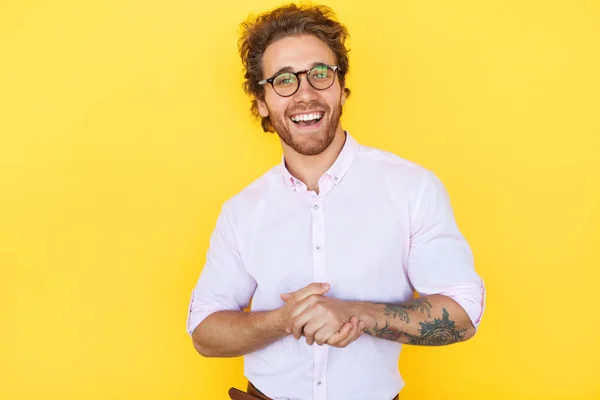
318, 248
335, 178
316, 207
297, 182
319, 383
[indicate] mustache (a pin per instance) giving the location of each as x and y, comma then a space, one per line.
313, 105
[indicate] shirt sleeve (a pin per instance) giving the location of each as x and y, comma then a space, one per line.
224, 283
440, 260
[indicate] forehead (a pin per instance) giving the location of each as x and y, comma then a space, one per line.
297, 52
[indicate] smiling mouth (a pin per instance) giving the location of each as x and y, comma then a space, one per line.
307, 119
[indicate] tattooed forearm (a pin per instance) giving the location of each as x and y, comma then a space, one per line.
432, 320
387, 332
438, 332
400, 311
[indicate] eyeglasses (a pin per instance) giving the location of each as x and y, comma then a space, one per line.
320, 77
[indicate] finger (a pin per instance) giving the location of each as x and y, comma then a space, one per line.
338, 336
300, 308
350, 337
329, 329
315, 313
286, 296
304, 305
312, 328
298, 323
354, 334
313, 288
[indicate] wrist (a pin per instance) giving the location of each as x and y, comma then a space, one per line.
366, 312
277, 321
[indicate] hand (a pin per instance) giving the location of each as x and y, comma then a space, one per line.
349, 333
324, 320
294, 298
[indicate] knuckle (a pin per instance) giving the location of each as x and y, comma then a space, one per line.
315, 298
320, 338
320, 307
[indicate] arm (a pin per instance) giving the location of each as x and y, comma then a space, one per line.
216, 321
236, 333
439, 267
434, 320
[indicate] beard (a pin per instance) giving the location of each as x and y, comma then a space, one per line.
313, 143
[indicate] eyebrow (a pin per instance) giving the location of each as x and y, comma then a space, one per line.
290, 69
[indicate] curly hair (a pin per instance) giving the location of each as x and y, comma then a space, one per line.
290, 20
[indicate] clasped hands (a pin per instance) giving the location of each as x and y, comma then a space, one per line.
321, 319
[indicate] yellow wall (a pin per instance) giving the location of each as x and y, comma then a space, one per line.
124, 127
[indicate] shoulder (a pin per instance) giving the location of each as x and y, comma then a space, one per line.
254, 195
397, 171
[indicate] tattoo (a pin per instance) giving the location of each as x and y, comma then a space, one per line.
438, 332
387, 332
400, 311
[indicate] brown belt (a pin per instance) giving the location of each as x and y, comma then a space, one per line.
253, 393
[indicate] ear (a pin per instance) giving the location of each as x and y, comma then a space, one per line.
343, 97
262, 108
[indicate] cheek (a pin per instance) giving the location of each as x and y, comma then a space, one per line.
273, 103
335, 99
277, 106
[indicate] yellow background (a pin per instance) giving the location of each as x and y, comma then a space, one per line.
123, 128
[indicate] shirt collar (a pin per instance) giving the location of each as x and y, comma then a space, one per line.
336, 172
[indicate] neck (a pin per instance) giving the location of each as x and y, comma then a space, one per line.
309, 169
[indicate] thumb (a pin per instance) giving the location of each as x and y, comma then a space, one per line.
325, 287
286, 296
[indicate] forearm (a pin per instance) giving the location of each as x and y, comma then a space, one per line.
236, 333
434, 320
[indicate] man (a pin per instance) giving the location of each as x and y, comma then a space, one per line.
332, 244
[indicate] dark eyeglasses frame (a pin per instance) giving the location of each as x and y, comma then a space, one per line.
335, 69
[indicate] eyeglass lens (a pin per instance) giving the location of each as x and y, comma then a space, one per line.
320, 77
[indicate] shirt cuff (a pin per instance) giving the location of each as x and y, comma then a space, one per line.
473, 303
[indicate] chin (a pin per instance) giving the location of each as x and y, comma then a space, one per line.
310, 145
307, 140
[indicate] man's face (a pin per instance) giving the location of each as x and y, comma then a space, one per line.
298, 53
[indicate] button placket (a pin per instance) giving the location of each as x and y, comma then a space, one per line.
320, 352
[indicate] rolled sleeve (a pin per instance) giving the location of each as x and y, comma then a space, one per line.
224, 283
440, 260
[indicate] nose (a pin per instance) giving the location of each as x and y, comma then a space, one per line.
306, 93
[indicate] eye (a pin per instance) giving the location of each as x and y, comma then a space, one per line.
286, 79
320, 72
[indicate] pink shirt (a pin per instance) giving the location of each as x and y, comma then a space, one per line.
379, 228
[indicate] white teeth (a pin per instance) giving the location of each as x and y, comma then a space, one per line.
307, 117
